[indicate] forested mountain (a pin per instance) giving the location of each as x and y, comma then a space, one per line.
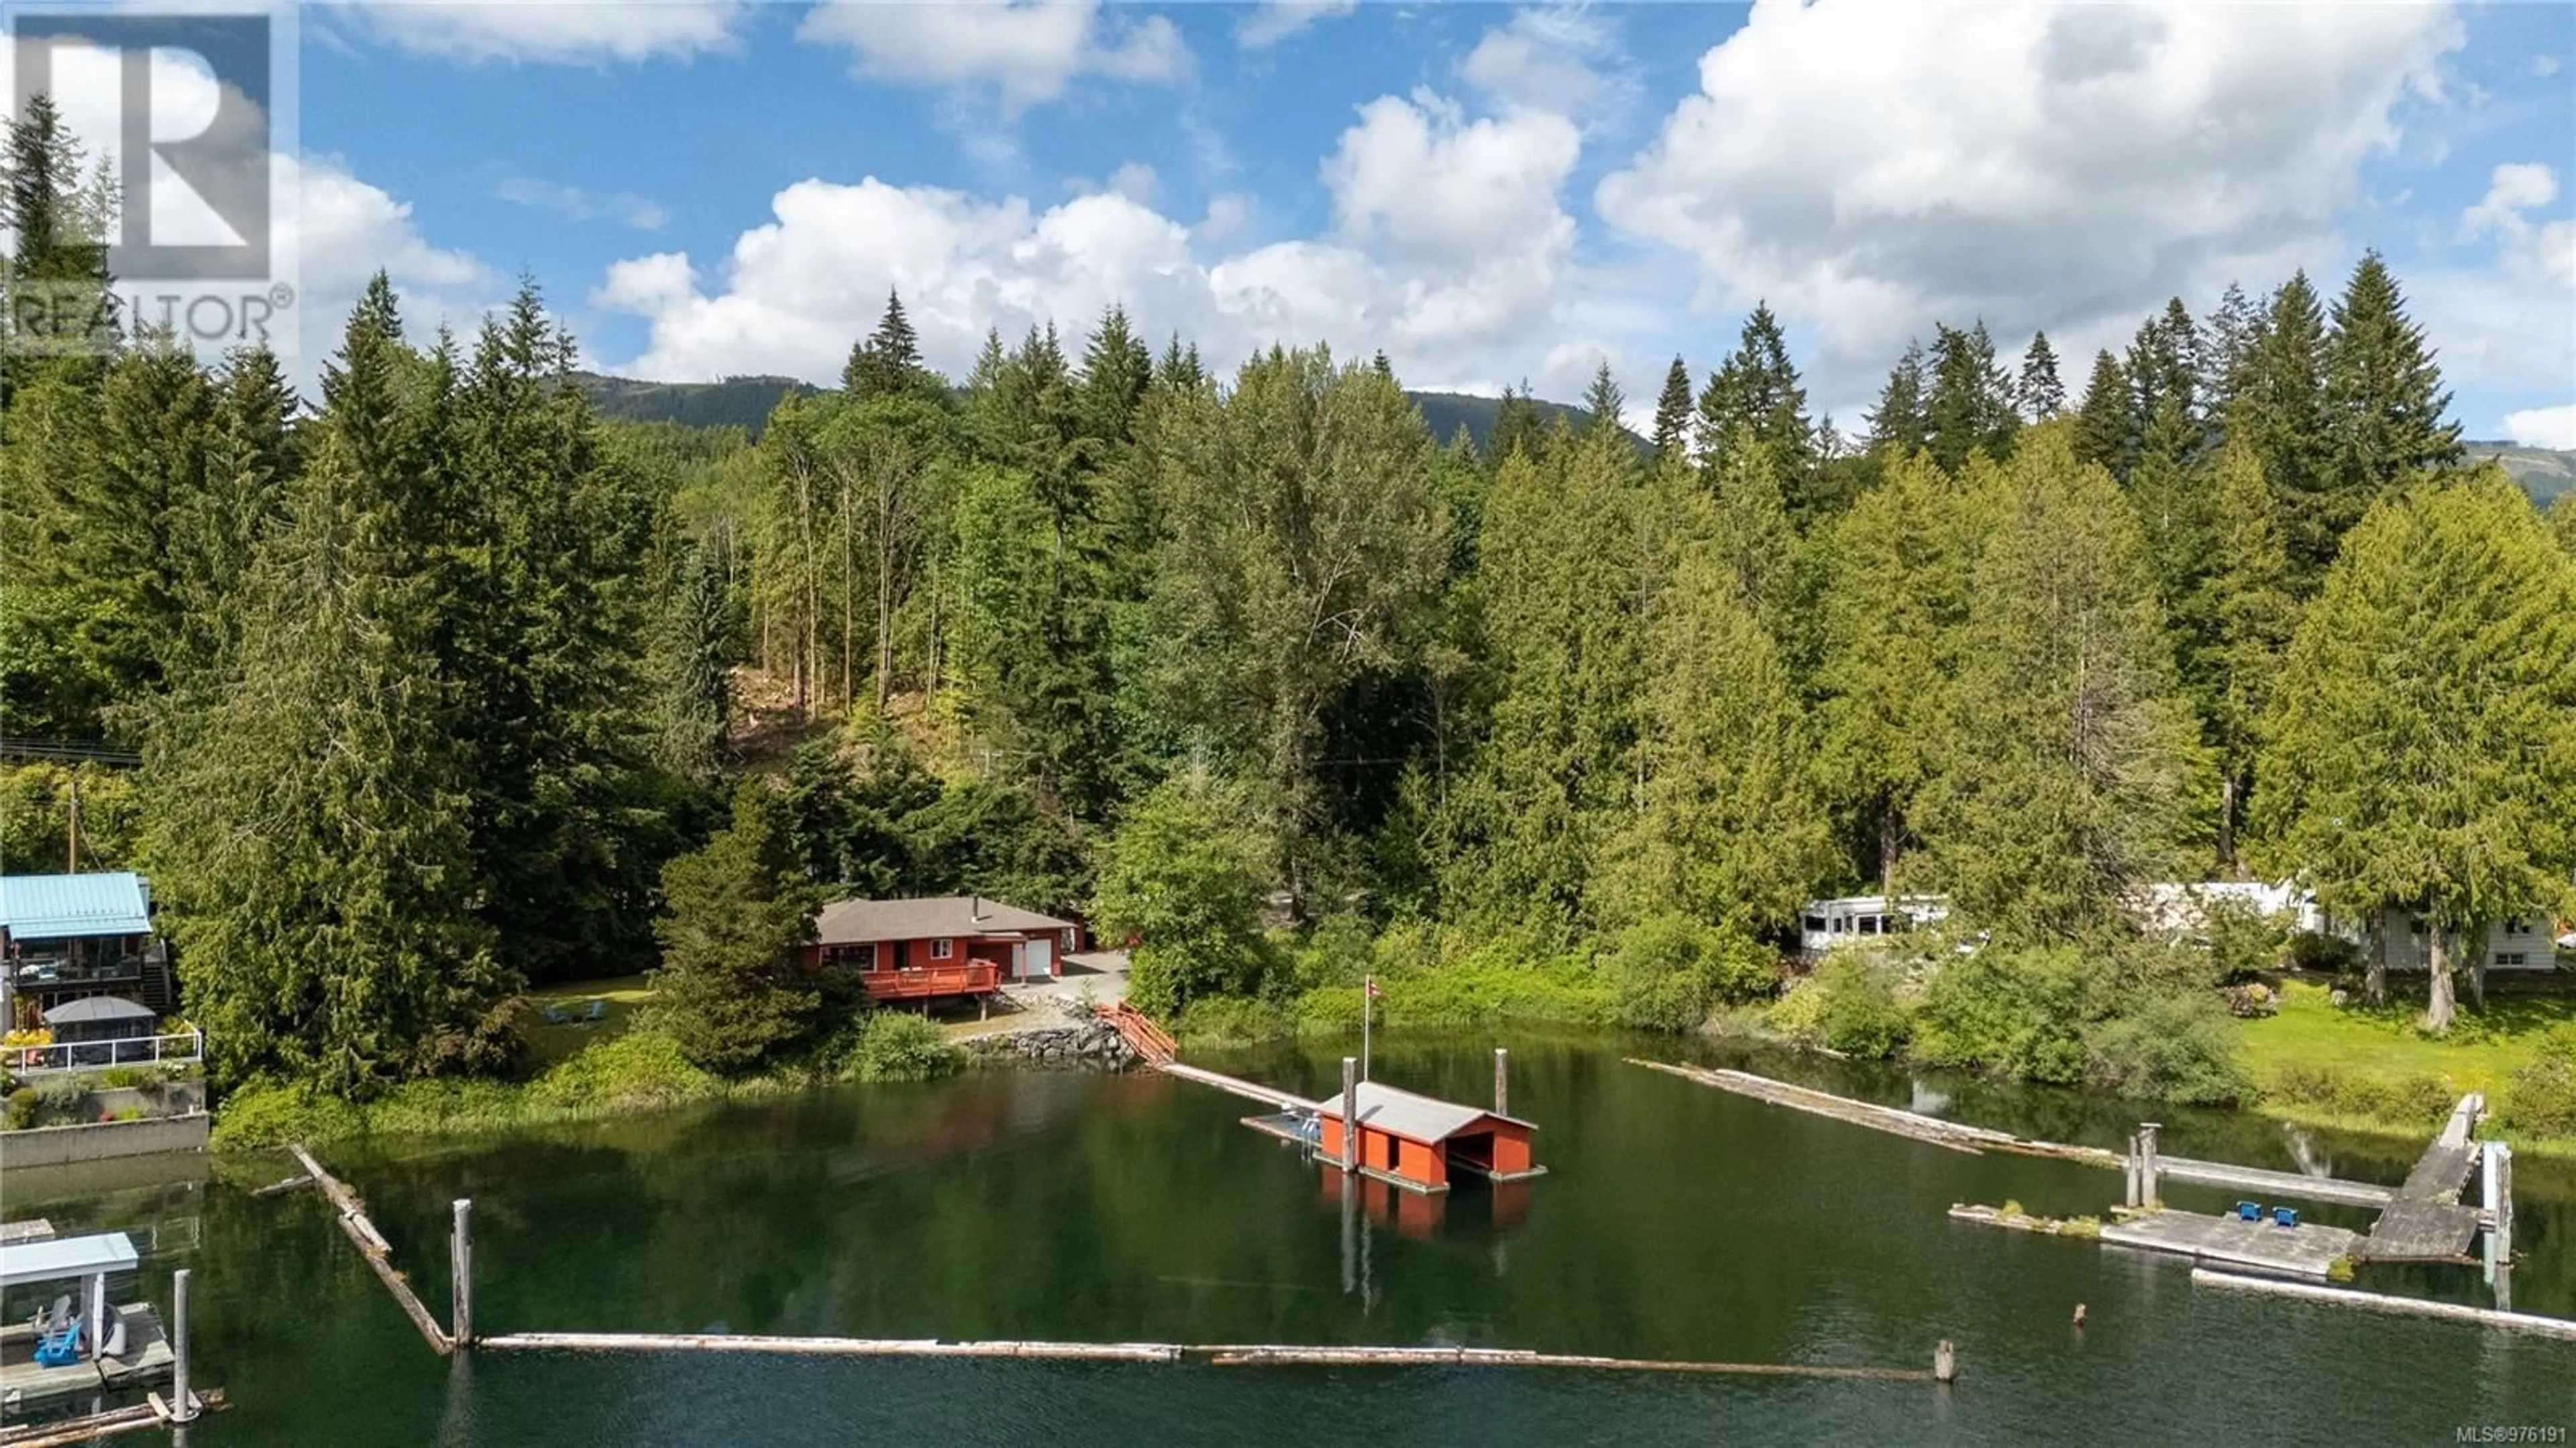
435, 675
746, 403
2543, 472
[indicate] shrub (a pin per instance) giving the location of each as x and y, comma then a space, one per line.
2318, 954
120, 1077
1669, 970
2418, 1099
640, 1068
2541, 1098
2021, 1013
267, 1114
897, 1046
1861, 1014
1232, 1021
22, 1108
2243, 941
1799, 1013
2176, 1048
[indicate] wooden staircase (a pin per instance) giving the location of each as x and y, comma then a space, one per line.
1148, 1040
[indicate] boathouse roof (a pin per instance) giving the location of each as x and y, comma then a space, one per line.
1414, 1117
861, 922
59, 1258
53, 907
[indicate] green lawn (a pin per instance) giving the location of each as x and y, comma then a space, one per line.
548, 1043
2483, 1049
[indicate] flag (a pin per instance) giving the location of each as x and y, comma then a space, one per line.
1373, 991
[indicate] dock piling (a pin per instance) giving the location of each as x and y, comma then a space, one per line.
1502, 1082
460, 1312
2150, 1190
1350, 1113
1945, 1362
182, 1407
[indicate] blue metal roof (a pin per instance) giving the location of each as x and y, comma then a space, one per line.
50, 907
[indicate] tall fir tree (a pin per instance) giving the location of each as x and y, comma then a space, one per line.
1673, 413
2248, 615
2040, 393
729, 989
1969, 409
2105, 433
1901, 422
2383, 398
2227, 339
888, 360
2279, 407
1603, 402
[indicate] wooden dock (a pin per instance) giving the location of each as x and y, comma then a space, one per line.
2306, 1250
147, 1359
2333, 1190
2427, 1222
1248, 1090
2557, 1327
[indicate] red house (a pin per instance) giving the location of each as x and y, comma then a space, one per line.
952, 945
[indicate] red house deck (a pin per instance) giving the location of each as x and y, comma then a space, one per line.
941, 948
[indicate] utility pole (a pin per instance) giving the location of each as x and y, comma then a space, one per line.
73, 866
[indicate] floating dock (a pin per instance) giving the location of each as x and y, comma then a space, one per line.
2306, 1250
147, 1359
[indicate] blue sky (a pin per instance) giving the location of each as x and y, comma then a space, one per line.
1489, 193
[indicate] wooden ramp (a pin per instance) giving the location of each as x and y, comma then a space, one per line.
1248, 1090
2426, 1222
2295, 1185
1150, 1042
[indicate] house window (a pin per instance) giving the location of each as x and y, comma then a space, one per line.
942, 949
864, 957
2512, 958
1815, 925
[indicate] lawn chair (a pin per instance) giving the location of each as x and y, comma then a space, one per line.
598, 1012
2249, 1211
2284, 1216
555, 1016
59, 1347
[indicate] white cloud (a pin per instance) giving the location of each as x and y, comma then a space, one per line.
1028, 50
2508, 321
1546, 60
1276, 20
2553, 427
559, 32
574, 203
2512, 189
1452, 252
1228, 212
1135, 181
2544, 66
1870, 168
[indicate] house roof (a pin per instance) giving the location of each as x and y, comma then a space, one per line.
1414, 1117
859, 922
51, 907
97, 1008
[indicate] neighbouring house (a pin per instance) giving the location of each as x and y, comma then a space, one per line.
66, 937
1825, 925
2523, 943
951, 945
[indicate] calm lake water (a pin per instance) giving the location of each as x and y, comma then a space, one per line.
1676, 1222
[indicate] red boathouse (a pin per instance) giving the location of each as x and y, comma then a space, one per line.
950, 945
1420, 1142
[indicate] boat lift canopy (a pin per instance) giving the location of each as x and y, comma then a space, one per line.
64, 1258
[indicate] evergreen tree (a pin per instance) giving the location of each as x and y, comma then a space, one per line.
730, 990
2103, 423
2562, 517
2164, 365
1180, 888
1673, 413
250, 462
2227, 340
59, 306
1728, 828
2041, 395
2383, 396
1603, 402
1757, 392
2420, 751
1117, 368
2280, 409
690, 669
2071, 766
889, 360
1969, 409
337, 942
2249, 615
1518, 427
155, 415
1901, 421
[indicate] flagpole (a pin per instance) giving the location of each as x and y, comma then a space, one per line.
1368, 1008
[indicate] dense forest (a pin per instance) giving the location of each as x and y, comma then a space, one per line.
444, 683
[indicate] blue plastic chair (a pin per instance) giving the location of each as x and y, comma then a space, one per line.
62, 1349
2285, 1216
598, 1011
555, 1016
2249, 1211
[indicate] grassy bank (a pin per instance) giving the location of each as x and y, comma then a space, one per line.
603, 1077
2371, 1069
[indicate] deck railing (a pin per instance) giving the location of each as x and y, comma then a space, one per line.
183, 1048
973, 978
1150, 1040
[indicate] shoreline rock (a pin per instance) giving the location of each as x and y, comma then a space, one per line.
1084, 1045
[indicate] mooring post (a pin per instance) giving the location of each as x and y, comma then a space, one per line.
1945, 1363
1350, 1113
2148, 1187
2136, 1152
460, 1310
181, 1409
1502, 1082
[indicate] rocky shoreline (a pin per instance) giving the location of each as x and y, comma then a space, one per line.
1082, 1045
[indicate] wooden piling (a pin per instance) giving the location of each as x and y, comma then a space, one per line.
181, 1409
460, 1241
2150, 1189
1350, 1113
1945, 1359
371, 1245
1502, 1082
